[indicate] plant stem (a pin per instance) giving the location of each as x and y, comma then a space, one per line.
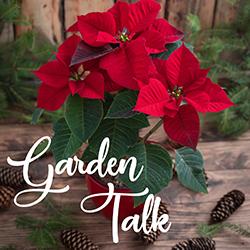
152, 130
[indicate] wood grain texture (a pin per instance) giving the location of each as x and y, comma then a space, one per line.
177, 11
74, 8
226, 11
44, 16
227, 166
205, 11
7, 33
163, 7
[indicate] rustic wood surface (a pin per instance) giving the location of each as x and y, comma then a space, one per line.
227, 164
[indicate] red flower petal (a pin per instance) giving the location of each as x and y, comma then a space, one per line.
75, 86
182, 67
54, 73
109, 84
184, 127
218, 99
120, 11
67, 49
97, 29
154, 100
198, 99
51, 98
168, 32
73, 27
155, 43
92, 87
135, 17
128, 63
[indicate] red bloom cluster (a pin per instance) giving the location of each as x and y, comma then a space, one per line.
174, 89
131, 28
178, 91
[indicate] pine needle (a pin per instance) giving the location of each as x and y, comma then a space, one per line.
211, 231
42, 231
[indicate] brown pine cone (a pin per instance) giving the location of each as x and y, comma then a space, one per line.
75, 240
152, 236
226, 206
6, 196
162, 209
12, 177
196, 244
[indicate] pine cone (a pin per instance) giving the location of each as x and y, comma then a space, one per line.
6, 195
75, 240
196, 244
12, 177
152, 236
227, 205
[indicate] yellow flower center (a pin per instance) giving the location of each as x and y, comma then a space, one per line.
177, 92
123, 36
80, 74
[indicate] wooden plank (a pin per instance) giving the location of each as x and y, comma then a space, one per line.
163, 7
176, 13
18, 137
226, 12
186, 210
74, 8
227, 165
7, 33
44, 16
205, 12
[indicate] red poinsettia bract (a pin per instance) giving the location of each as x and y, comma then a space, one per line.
135, 30
180, 91
60, 80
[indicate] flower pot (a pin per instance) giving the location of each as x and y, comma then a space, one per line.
126, 207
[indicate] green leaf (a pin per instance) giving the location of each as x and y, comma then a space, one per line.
88, 155
138, 121
83, 116
36, 115
121, 132
169, 49
190, 171
123, 104
157, 171
64, 143
41, 147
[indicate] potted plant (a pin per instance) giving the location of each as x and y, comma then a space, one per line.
117, 69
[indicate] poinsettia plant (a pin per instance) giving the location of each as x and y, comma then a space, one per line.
117, 69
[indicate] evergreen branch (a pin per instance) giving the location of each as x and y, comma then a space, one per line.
210, 231
239, 229
28, 222
9, 247
205, 230
42, 231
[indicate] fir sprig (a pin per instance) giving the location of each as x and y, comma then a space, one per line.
18, 86
42, 231
211, 231
8, 247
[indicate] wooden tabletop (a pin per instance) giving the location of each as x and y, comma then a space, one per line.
227, 165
